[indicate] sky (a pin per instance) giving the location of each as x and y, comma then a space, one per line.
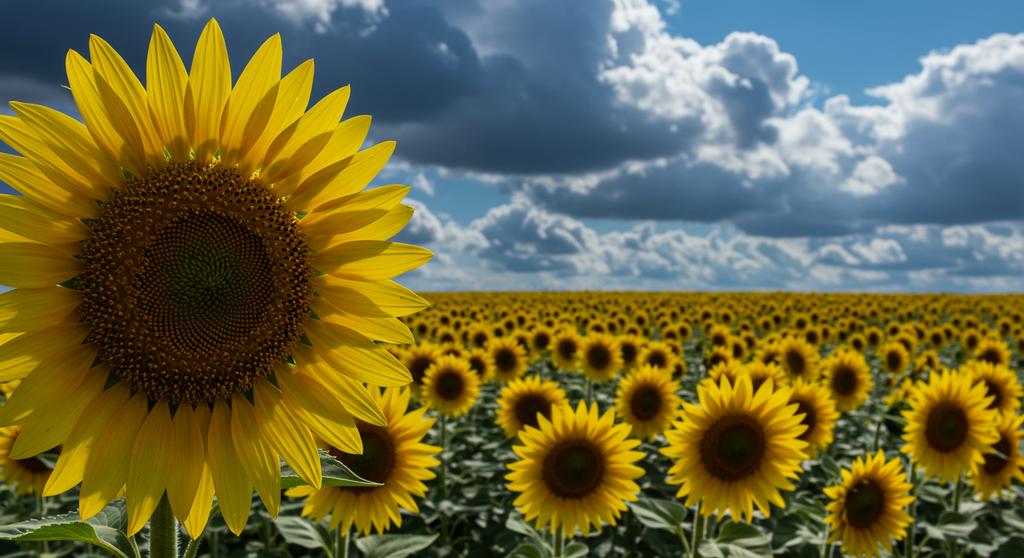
646, 144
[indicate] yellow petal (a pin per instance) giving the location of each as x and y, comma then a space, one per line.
107, 468
77, 156
290, 101
31, 221
320, 411
378, 299
108, 120
26, 264
75, 452
355, 356
234, 492
387, 330
286, 435
183, 479
19, 173
347, 179
301, 143
32, 309
355, 399
261, 463
165, 94
353, 212
209, 84
371, 259
248, 109
53, 381
152, 459
50, 427
381, 229
108, 65
23, 353
346, 139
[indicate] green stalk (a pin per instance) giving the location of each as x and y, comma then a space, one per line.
163, 531
192, 550
590, 391
698, 533
559, 543
826, 547
341, 549
911, 533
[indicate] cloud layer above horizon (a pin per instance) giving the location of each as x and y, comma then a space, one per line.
623, 155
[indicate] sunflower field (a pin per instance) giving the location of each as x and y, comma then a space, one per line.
200, 306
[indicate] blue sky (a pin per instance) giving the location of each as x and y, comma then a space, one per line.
648, 144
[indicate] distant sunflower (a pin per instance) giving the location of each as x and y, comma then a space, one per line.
600, 359
799, 358
629, 348
657, 354
949, 425
819, 414
450, 386
997, 471
848, 378
646, 399
1001, 384
213, 249
540, 340
565, 349
418, 360
736, 449
393, 455
481, 363
894, 357
868, 509
509, 358
993, 351
760, 372
575, 471
28, 475
523, 400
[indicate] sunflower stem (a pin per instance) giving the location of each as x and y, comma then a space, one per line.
341, 545
444, 460
559, 543
192, 549
826, 547
698, 532
590, 391
163, 531
911, 532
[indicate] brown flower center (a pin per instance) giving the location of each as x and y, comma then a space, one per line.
195, 283
449, 385
378, 457
809, 420
865, 504
733, 447
995, 463
573, 469
844, 381
598, 357
947, 427
505, 360
528, 407
646, 402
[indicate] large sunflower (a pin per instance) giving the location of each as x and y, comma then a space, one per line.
509, 358
737, 448
867, 511
575, 471
819, 414
450, 387
848, 378
646, 399
393, 455
28, 475
949, 425
996, 472
600, 358
523, 400
185, 244
1001, 384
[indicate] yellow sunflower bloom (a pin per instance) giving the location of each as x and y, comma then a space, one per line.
522, 401
575, 471
196, 238
28, 475
819, 414
1001, 384
848, 378
393, 455
949, 425
736, 449
867, 512
450, 387
509, 358
646, 400
600, 358
993, 476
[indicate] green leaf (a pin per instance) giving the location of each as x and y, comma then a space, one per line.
576, 550
301, 532
335, 474
102, 530
659, 514
1012, 548
393, 546
516, 524
739, 540
830, 466
528, 550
